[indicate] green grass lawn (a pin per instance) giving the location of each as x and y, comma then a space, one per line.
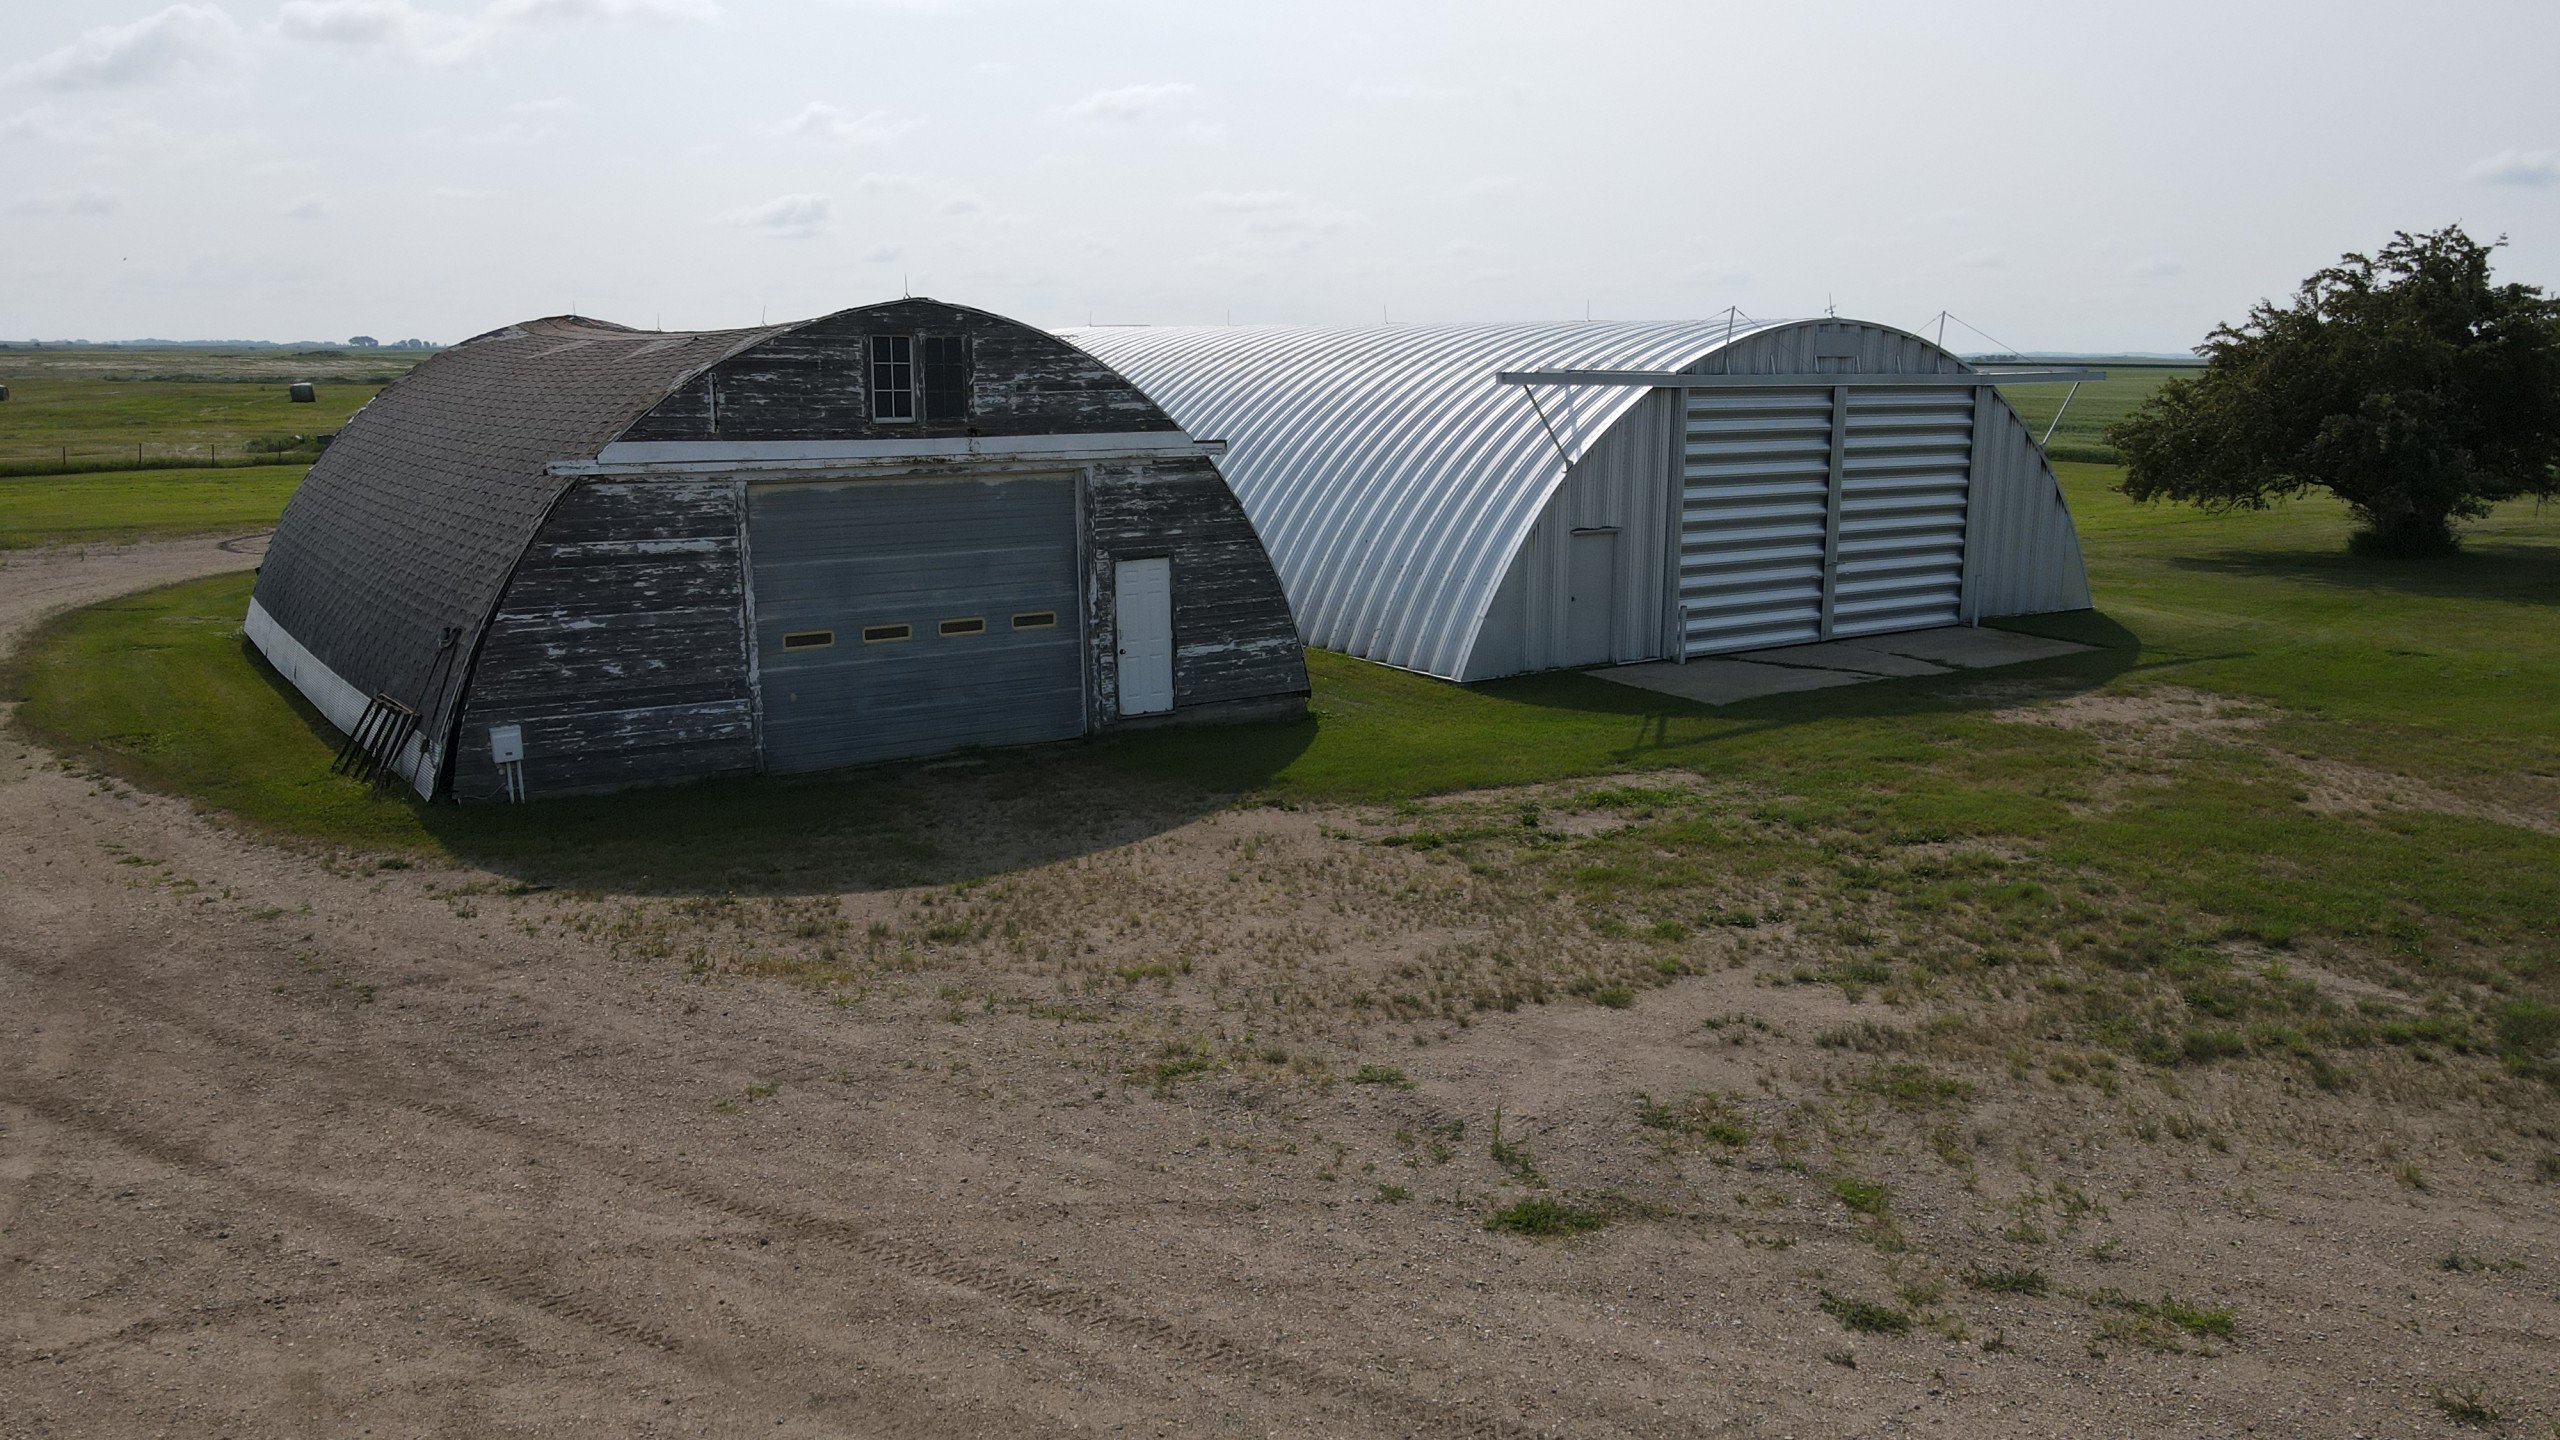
96, 407
2099, 404
131, 505
47, 421
1919, 823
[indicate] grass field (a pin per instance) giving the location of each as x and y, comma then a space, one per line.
2098, 405
136, 504
2350, 762
72, 408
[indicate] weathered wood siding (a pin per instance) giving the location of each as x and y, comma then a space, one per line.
1234, 639
619, 645
814, 383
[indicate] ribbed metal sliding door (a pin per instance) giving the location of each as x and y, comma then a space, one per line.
1902, 510
1754, 510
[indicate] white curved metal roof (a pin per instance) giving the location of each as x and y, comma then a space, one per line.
1390, 477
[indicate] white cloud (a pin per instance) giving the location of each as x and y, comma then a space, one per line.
610, 12
1278, 218
962, 204
308, 207
89, 202
789, 216
2516, 167
47, 125
182, 37
1982, 260
882, 254
445, 36
433, 36
819, 120
2158, 267
1131, 103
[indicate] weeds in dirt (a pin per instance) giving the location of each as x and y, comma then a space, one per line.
1865, 1316
2469, 1406
1915, 1087
1541, 1216
1387, 1075
1867, 1197
1700, 1117
2021, 1280
1511, 1155
2159, 1324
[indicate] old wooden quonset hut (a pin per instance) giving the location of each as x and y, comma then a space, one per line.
588, 557
1479, 500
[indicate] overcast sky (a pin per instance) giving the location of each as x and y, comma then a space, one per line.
2062, 175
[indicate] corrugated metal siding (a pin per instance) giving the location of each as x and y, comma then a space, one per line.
1754, 504
1620, 484
2023, 553
1392, 478
1419, 513
1902, 510
843, 556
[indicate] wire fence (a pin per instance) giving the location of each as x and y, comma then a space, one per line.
27, 459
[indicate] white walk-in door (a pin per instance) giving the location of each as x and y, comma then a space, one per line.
1591, 613
1145, 609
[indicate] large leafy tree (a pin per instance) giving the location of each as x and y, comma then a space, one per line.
2405, 383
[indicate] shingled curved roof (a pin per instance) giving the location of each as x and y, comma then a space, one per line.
412, 520
1393, 479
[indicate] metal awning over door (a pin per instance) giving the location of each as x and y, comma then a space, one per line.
901, 618
1808, 513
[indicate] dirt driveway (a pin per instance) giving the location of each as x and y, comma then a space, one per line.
298, 1144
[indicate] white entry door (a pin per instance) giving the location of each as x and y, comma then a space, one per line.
1591, 599
1145, 591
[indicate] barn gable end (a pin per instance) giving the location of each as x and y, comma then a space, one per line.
594, 558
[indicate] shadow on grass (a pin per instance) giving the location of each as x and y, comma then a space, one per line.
1374, 735
2485, 569
944, 820
161, 689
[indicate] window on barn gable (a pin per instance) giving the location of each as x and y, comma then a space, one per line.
946, 377
893, 377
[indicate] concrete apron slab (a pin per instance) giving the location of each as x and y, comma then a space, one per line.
1856, 656
1726, 680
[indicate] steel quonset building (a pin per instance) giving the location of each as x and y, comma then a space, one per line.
1476, 501
569, 557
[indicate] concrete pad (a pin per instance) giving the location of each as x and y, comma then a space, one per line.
1857, 655
1968, 648
1723, 682
1751, 674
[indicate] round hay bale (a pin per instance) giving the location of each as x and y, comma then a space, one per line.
303, 392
